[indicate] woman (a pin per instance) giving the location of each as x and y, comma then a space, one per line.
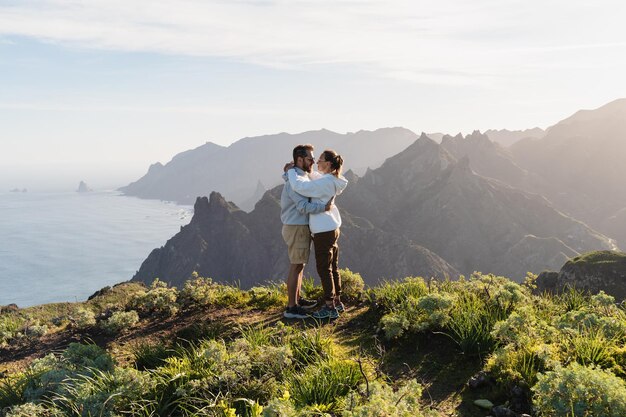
325, 226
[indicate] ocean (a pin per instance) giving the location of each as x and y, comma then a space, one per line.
58, 247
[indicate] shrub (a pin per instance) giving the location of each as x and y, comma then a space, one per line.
272, 295
573, 298
352, 285
150, 355
120, 320
578, 390
104, 393
32, 410
35, 330
470, 324
310, 346
10, 326
383, 401
203, 292
84, 318
198, 292
88, 356
159, 299
324, 384
391, 294
12, 390
589, 346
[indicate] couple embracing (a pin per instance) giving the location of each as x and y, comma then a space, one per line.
308, 213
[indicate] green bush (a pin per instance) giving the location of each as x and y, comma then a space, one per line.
203, 292
470, 324
89, 356
577, 390
392, 294
12, 390
310, 290
103, 393
384, 401
269, 296
84, 318
325, 384
32, 410
159, 299
310, 346
10, 326
120, 320
35, 330
150, 355
352, 285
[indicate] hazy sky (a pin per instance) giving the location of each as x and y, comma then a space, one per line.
99, 89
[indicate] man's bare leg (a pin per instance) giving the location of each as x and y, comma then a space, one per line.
294, 280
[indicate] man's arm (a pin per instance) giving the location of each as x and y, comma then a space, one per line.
304, 206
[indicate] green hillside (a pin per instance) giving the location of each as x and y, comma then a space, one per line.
408, 348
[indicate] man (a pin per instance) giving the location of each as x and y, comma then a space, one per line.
295, 210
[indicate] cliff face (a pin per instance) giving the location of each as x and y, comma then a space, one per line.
227, 244
428, 196
582, 160
602, 270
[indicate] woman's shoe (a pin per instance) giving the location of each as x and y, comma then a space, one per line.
326, 313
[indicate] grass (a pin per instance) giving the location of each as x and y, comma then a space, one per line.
236, 354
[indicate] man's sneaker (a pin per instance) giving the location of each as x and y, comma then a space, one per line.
340, 307
306, 304
326, 313
295, 312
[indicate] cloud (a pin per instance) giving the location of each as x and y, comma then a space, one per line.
481, 40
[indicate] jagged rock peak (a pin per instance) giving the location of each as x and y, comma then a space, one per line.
155, 167
201, 206
351, 176
477, 137
424, 137
216, 200
83, 188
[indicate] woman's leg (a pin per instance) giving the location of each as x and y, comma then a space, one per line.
324, 253
335, 268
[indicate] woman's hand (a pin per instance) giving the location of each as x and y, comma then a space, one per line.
288, 166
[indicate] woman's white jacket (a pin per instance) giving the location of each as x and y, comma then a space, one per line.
320, 190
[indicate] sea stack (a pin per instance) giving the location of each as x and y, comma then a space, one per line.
83, 188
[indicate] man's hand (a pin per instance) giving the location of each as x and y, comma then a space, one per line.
330, 204
288, 166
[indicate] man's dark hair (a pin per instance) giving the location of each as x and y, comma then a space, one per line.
301, 151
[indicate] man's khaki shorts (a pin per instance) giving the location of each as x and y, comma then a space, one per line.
298, 240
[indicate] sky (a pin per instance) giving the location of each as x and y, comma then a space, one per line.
98, 90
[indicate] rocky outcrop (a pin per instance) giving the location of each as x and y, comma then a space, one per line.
594, 271
83, 188
230, 245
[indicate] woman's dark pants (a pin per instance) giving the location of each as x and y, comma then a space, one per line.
326, 259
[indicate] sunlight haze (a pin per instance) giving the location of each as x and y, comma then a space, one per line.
99, 90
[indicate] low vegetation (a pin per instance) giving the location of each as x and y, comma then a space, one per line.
387, 355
